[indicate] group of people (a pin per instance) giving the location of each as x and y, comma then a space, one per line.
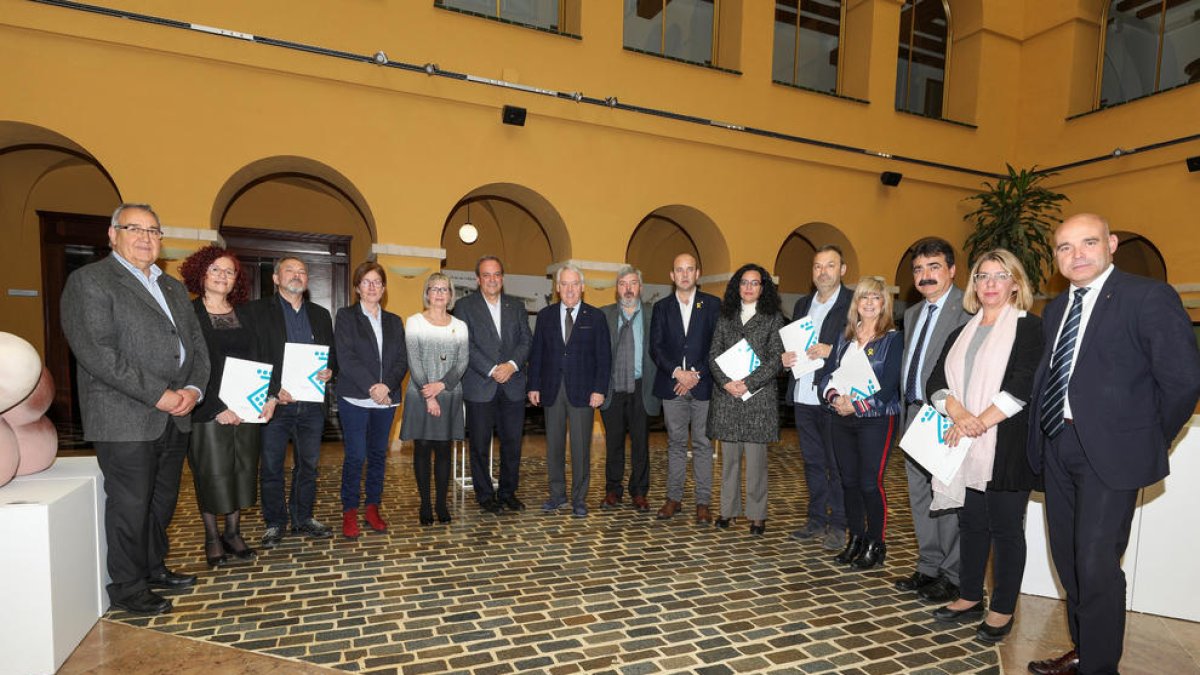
1082, 404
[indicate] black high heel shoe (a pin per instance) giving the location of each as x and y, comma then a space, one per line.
219, 560
993, 634
854, 548
230, 542
758, 527
426, 517
724, 523
872, 555
443, 515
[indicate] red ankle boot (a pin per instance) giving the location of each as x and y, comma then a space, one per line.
350, 524
373, 518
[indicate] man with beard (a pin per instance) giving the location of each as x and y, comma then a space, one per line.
926, 327
629, 403
827, 306
289, 317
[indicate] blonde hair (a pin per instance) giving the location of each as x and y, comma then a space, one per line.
886, 321
437, 276
1022, 293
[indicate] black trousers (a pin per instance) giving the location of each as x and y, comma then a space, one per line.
1089, 529
507, 419
141, 484
627, 415
439, 452
993, 523
861, 445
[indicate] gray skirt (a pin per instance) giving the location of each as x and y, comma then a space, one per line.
224, 463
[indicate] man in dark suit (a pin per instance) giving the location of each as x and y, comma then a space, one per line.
287, 317
141, 364
1119, 378
568, 375
630, 403
926, 327
494, 384
827, 306
681, 332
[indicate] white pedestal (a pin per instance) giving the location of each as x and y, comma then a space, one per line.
1158, 577
48, 571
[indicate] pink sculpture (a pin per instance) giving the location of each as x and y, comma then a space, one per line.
28, 440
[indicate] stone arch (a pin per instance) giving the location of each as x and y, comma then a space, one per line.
670, 230
514, 223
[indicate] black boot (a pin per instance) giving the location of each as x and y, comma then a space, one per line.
854, 548
872, 555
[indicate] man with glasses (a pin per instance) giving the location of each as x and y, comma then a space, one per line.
141, 364
494, 384
288, 316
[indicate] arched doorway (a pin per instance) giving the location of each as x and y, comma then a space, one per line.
793, 264
665, 233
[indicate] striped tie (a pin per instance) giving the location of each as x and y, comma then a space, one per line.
1060, 369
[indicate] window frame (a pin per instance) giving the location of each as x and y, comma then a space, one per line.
1098, 89
796, 48
947, 58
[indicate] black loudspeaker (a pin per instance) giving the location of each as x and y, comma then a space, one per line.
890, 178
1193, 163
513, 115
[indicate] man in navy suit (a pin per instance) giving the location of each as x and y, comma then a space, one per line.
568, 375
827, 306
1120, 377
494, 384
681, 332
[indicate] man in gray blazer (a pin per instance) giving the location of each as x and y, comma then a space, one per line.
630, 402
926, 327
141, 364
494, 384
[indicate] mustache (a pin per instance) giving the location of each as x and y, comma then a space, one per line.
927, 282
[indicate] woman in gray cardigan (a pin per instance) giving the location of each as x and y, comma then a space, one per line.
749, 311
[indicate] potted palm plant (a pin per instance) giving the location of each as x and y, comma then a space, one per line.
1017, 213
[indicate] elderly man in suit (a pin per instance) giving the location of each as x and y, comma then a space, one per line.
568, 375
926, 327
288, 316
141, 364
494, 384
1119, 378
630, 403
681, 332
827, 306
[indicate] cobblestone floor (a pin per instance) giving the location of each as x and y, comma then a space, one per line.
617, 592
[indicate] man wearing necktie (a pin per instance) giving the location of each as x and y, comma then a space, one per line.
1120, 377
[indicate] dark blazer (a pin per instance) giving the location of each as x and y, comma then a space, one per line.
487, 349
583, 364
359, 364
1010, 469
127, 351
669, 346
883, 353
651, 402
833, 326
950, 317
1135, 382
212, 405
267, 314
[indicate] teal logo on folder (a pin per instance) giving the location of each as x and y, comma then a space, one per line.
258, 397
312, 377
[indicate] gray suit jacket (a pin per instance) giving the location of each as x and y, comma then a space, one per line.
652, 403
487, 349
949, 318
127, 351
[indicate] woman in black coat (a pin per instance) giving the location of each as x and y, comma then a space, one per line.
983, 382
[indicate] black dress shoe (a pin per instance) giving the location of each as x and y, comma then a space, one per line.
969, 614
144, 601
168, 579
942, 590
915, 582
993, 634
723, 523
426, 521
758, 528
1063, 665
872, 555
491, 505
271, 537
313, 529
513, 504
854, 548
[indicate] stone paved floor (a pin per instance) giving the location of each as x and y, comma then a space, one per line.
616, 592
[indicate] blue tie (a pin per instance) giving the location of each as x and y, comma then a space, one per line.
1060, 369
914, 366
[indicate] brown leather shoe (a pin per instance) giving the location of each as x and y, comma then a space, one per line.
611, 501
669, 509
703, 517
1067, 664
640, 503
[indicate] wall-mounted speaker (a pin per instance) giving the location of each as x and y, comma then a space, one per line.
890, 178
513, 115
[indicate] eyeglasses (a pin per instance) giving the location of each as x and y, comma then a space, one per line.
870, 297
371, 283
149, 232
998, 277
750, 283
439, 289
222, 272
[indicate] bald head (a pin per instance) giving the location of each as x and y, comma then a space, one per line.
684, 272
1083, 248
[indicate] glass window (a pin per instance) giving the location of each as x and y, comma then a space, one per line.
539, 13
682, 29
1149, 46
924, 45
806, 43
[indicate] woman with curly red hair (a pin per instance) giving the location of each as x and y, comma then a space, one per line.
223, 452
